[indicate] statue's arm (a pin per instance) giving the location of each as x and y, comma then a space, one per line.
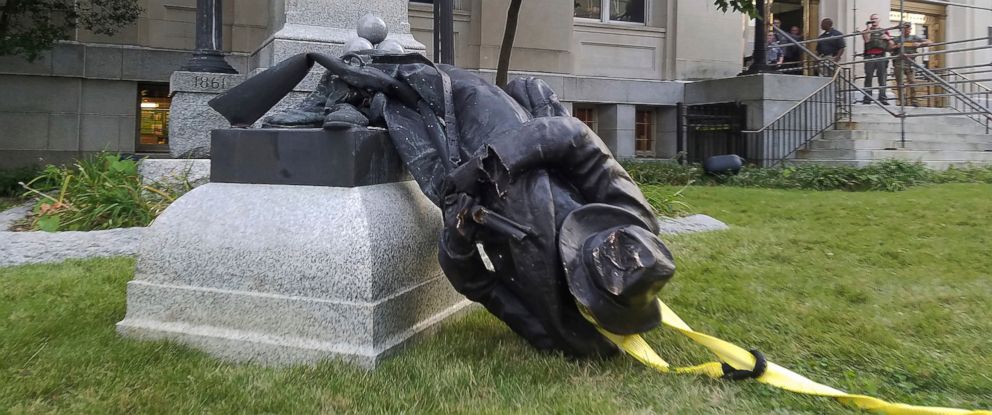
470, 278
578, 155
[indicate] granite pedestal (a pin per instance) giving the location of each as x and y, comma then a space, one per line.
288, 273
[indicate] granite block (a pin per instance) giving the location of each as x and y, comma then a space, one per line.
15, 64
291, 274
327, 227
152, 65
344, 322
190, 122
24, 131
108, 97
99, 133
39, 94
67, 59
63, 132
104, 62
20, 248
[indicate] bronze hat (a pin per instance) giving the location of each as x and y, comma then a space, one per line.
615, 267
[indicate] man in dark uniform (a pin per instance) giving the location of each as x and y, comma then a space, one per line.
831, 48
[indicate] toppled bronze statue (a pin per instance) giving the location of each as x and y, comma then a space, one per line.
539, 218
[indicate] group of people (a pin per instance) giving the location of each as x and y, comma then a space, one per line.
902, 48
784, 54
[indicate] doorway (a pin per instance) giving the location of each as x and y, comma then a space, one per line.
804, 14
928, 20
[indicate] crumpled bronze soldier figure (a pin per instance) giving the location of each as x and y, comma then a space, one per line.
539, 219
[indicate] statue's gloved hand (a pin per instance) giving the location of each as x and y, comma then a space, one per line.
459, 228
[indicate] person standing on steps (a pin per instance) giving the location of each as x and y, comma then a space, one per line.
775, 53
830, 48
877, 41
905, 71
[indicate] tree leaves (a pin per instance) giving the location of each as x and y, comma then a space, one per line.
28, 28
743, 6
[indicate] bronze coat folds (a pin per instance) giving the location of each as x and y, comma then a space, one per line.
558, 220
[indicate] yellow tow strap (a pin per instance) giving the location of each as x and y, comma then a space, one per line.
774, 375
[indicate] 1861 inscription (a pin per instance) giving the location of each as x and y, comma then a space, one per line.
210, 82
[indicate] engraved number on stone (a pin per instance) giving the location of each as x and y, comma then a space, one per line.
207, 82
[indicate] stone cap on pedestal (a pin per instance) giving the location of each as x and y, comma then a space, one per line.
305, 156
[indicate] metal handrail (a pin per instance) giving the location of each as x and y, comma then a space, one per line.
794, 129
797, 104
977, 112
842, 98
961, 75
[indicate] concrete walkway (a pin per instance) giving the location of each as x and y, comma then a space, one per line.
21, 248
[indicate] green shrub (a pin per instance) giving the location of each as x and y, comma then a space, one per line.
99, 192
888, 175
663, 172
666, 203
10, 180
973, 174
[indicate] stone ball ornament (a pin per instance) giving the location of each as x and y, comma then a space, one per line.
390, 46
357, 44
372, 28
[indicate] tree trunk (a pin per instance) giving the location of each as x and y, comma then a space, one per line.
503, 67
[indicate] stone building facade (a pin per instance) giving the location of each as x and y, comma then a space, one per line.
96, 93
621, 65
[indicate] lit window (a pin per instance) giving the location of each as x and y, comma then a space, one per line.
153, 124
611, 10
644, 134
587, 115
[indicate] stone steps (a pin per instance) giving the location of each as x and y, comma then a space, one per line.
872, 135
883, 144
935, 165
977, 157
874, 109
945, 137
962, 125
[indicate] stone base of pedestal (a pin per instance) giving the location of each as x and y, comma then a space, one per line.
280, 274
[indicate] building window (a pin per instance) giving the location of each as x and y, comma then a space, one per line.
631, 11
588, 117
644, 134
153, 122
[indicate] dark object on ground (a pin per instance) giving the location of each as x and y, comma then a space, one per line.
523, 187
724, 164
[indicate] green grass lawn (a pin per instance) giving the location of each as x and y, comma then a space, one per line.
879, 293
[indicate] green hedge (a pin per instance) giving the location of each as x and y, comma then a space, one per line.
888, 175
